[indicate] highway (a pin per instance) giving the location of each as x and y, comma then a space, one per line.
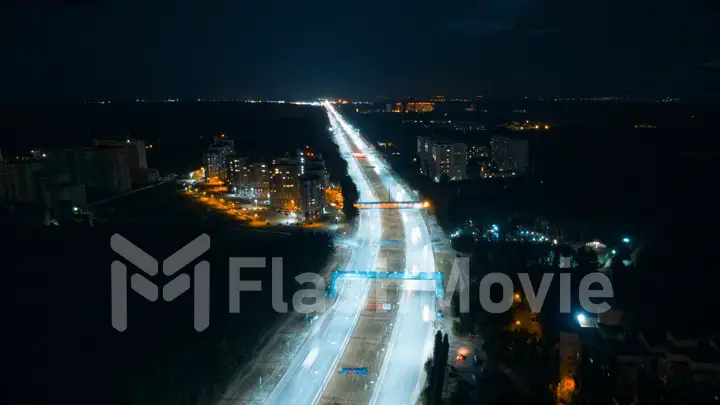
310, 369
401, 377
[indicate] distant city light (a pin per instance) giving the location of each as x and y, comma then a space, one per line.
626, 240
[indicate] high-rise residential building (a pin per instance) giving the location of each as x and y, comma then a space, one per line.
258, 176
285, 183
312, 162
135, 150
109, 173
215, 159
227, 145
509, 156
475, 151
214, 164
442, 159
316, 167
66, 177
237, 170
312, 195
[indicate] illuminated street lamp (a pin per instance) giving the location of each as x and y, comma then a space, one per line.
581, 319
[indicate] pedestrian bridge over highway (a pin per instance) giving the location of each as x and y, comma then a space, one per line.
392, 204
386, 275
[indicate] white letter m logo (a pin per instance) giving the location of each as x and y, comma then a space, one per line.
171, 290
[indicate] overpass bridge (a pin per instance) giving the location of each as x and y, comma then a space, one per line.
386, 275
392, 205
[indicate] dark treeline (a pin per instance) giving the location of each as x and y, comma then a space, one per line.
59, 330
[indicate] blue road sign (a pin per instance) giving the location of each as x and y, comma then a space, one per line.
353, 370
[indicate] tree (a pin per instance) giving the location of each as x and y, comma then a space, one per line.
435, 369
461, 394
463, 243
433, 377
350, 197
441, 366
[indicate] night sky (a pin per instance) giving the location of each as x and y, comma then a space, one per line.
280, 49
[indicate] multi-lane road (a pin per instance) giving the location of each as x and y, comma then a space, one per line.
400, 381
400, 377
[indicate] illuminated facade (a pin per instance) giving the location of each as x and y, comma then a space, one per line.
299, 183
214, 164
477, 152
258, 179
420, 106
312, 195
215, 159
439, 158
237, 170
285, 183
